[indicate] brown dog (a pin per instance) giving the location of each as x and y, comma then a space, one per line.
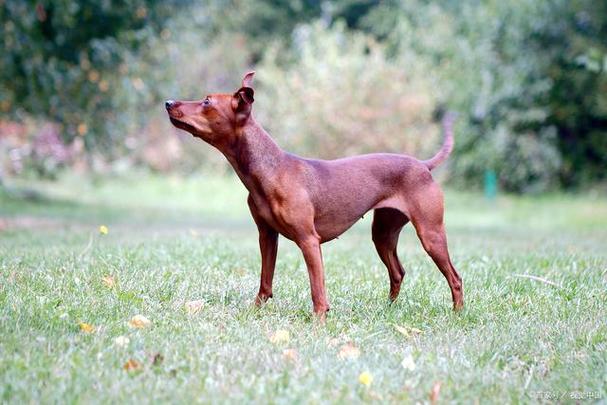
313, 201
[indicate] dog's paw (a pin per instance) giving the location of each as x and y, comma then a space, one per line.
261, 299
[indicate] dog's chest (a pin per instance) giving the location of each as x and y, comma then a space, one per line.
272, 210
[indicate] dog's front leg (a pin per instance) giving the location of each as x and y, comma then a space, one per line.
268, 245
310, 248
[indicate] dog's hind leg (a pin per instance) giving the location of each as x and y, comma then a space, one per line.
427, 218
387, 224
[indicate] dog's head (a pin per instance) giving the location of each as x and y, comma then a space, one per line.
217, 117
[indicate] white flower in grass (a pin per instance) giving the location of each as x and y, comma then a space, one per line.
408, 362
122, 341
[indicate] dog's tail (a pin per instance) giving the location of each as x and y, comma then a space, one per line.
445, 150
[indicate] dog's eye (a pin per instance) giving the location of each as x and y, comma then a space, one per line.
206, 102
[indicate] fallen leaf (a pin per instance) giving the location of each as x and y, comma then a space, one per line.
108, 281
403, 331
122, 341
408, 363
365, 378
435, 392
193, 307
280, 336
407, 331
139, 322
290, 355
349, 351
86, 327
132, 365
103, 230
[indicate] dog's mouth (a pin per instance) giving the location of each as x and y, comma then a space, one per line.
182, 125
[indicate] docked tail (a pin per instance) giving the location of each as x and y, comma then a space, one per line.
445, 150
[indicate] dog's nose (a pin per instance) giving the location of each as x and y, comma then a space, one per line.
169, 103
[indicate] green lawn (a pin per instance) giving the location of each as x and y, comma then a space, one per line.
174, 240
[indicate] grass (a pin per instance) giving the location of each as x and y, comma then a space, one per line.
174, 240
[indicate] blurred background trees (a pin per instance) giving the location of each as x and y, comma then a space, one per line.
82, 82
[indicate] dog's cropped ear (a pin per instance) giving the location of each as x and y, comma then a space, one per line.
245, 94
247, 80
242, 102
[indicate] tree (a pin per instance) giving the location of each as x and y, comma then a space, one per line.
60, 58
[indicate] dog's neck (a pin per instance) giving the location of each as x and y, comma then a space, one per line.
254, 155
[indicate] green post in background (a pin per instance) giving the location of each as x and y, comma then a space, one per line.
490, 185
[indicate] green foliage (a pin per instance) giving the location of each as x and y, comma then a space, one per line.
474, 52
264, 20
578, 97
340, 95
62, 59
528, 78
